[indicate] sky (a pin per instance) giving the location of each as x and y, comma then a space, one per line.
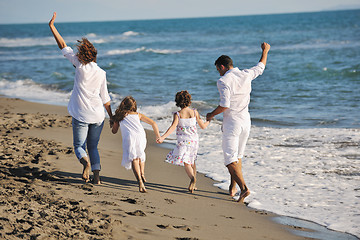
40, 11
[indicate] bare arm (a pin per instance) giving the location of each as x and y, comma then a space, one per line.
170, 129
219, 109
59, 40
201, 123
108, 109
115, 127
152, 123
265, 49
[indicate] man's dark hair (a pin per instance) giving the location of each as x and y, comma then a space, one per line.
224, 60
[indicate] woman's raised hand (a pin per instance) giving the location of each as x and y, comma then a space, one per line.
52, 19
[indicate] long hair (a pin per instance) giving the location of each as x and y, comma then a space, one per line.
183, 99
127, 105
86, 51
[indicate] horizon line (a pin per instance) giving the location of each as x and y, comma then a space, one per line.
199, 17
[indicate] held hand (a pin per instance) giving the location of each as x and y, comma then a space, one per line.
160, 140
209, 117
52, 19
265, 47
111, 122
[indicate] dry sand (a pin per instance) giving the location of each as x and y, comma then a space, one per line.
42, 195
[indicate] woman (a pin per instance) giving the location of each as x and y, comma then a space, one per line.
86, 103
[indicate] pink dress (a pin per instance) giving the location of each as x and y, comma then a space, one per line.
187, 142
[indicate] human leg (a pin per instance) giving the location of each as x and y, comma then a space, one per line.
194, 169
235, 170
232, 187
80, 130
190, 172
142, 171
235, 135
136, 169
93, 138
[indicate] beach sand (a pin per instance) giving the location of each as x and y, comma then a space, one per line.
42, 195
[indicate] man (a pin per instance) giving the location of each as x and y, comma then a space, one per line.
234, 87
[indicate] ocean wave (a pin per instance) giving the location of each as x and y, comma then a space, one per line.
26, 42
124, 51
27, 58
319, 44
90, 35
130, 33
142, 49
47, 41
29, 90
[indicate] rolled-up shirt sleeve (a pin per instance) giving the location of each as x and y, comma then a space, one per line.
224, 92
70, 55
255, 71
104, 94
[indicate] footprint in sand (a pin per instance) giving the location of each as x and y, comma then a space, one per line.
169, 201
129, 200
137, 213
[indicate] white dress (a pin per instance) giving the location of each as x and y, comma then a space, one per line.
187, 142
133, 140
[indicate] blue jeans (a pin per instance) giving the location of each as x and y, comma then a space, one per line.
87, 135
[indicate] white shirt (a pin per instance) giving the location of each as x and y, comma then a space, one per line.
235, 88
90, 91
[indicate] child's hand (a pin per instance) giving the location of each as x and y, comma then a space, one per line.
160, 140
111, 122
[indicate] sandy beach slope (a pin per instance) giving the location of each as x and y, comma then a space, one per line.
42, 195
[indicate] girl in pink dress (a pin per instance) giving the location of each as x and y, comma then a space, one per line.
184, 121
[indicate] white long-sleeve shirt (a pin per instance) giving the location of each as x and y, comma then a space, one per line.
90, 91
235, 88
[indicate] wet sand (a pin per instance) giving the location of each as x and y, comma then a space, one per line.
42, 195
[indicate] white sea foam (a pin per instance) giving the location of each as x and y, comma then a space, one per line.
312, 174
163, 51
142, 49
124, 51
47, 41
29, 90
26, 42
90, 35
130, 33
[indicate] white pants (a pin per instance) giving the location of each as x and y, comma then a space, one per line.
236, 131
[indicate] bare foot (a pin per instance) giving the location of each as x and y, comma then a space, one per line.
191, 187
86, 169
232, 189
243, 195
142, 188
143, 178
96, 179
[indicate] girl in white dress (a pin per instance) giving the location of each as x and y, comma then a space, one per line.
133, 137
184, 121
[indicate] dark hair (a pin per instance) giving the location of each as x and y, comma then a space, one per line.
86, 51
224, 60
183, 99
127, 105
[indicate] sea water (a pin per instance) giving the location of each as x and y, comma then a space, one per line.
302, 158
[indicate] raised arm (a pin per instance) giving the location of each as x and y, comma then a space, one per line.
152, 123
265, 49
170, 129
201, 123
59, 40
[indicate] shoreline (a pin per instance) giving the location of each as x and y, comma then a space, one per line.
116, 207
